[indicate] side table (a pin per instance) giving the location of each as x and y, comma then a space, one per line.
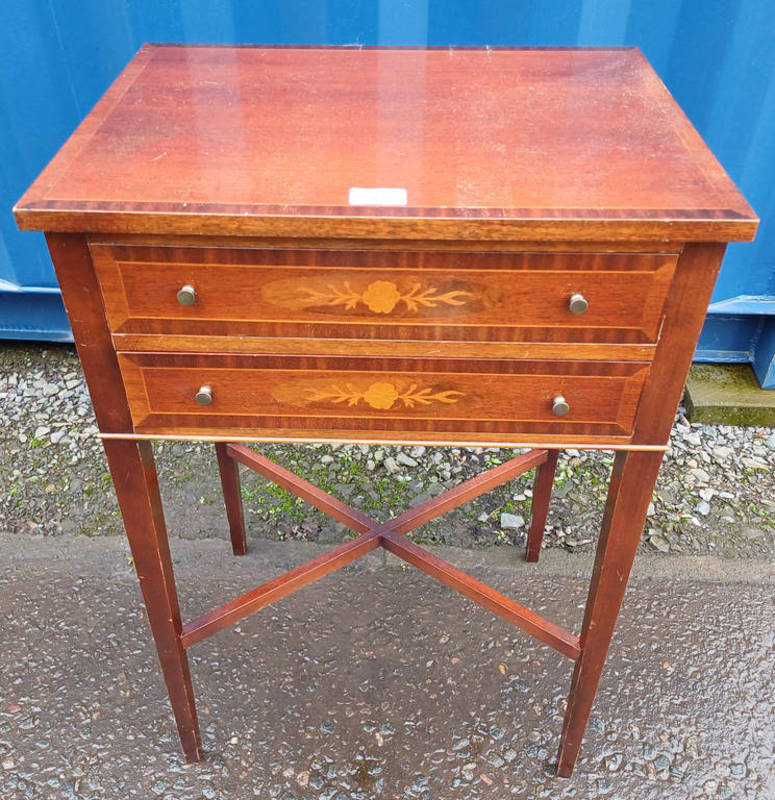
502, 247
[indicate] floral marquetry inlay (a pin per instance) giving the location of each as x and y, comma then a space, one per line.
382, 395
382, 297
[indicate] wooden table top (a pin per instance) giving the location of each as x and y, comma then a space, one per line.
481, 144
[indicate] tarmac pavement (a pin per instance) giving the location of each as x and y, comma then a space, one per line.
378, 682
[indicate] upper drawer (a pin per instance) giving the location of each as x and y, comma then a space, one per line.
378, 294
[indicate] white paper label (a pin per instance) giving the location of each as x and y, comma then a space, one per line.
377, 197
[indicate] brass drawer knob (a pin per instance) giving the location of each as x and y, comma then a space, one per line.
560, 406
204, 396
578, 304
187, 295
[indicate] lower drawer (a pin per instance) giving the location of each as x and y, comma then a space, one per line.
304, 397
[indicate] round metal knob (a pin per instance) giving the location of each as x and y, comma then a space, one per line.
578, 304
560, 406
187, 295
204, 396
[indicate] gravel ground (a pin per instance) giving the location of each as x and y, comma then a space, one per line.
716, 491
376, 683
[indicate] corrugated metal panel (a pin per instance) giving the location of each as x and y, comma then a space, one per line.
58, 57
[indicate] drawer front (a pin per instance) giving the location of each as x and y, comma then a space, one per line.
383, 295
362, 398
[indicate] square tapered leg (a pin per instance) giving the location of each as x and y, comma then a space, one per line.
632, 482
229, 470
137, 489
542, 492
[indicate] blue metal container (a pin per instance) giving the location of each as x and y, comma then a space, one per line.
57, 58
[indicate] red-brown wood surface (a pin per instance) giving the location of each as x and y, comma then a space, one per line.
690, 293
381, 395
356, 520
466, 491
412, 348
542, 492
389, 534
332, 242
632, 482
134, 477
529, 174
271, 591
81, 296
486, 143
499, 604
387, 295
137, 489
230, 483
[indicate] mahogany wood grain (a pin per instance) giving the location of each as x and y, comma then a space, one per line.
388, 535
543, 629
629, 493
700, 225
466, 491
134, 476
386, 395
85, 311
232, 498
356, 520
285, 584
542, 492
407, 245
291, 435
385, 295
137, 490
530, 351
530, 174
690, 294
251, 141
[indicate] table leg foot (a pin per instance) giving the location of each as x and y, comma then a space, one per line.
632, 483
542, 492
137, 490
232, 497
